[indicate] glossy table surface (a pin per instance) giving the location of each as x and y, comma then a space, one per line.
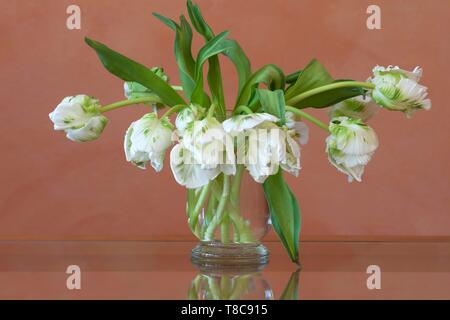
162, 270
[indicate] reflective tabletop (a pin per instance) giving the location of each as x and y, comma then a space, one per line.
163, 270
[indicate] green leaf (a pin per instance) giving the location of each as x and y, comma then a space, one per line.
183, 52
234, 52
129, 70
212, 48
284, 212
313, 76
240, 61
330, 97
292, 78
273, 102
270, 75
291, 290
168, 22
214, 72
199, 22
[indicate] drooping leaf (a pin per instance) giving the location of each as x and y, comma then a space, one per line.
273, 102
313, 76
240, 61
290, 292
270, 75
212, 48
330, 97
284, 212
130, 70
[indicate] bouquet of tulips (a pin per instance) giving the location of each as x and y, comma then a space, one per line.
213, 144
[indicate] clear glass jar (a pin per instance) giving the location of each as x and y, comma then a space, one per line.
229, 216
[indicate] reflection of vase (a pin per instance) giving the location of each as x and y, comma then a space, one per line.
230, 217
230, 286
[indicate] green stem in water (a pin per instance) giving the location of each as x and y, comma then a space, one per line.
124, 103
328, 87
218, 217
240, 109
225, 230
236, 187
308, 117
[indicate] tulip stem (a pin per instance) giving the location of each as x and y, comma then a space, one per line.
308, 117
328, 87
245, 109
124, 103
176, 108
211, 111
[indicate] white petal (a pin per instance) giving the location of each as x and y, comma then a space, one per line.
187, 174
240, 123
91, 131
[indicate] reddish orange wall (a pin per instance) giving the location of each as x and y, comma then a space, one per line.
53, 188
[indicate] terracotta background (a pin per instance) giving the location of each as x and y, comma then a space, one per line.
52, 188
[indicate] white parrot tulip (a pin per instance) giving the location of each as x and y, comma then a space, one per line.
79, 117
350, 146
397, 89
147, 140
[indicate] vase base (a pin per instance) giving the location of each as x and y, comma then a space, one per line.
213, 255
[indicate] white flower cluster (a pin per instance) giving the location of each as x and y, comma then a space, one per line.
207, 147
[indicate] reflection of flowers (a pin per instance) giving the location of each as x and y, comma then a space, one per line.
234, 285
229, 286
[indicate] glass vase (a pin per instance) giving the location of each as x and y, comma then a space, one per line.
229, 216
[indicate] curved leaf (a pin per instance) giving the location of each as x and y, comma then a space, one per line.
130, 70
214, 72
284, 212
212, 48
270, 75
313, 76
234, 52
273, 102
183, 52
330, 97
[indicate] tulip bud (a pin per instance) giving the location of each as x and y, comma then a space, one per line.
79, 117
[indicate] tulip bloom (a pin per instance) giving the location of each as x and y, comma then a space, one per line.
79, 117
350, 146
